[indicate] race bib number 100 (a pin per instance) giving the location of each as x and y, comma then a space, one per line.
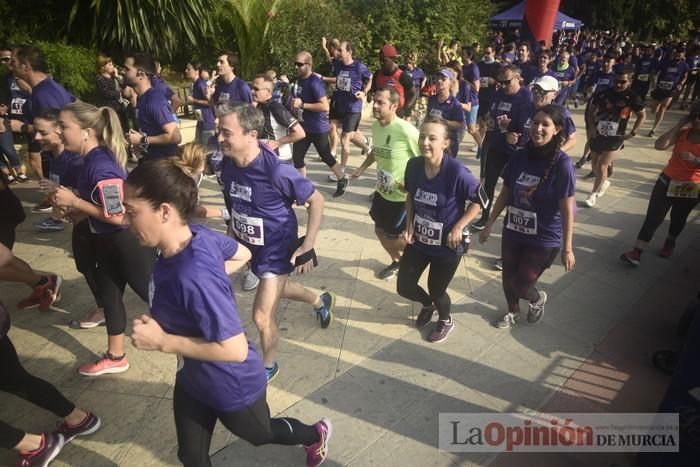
248, 229
427, 232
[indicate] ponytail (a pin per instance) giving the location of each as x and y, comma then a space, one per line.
191, 159
113, 135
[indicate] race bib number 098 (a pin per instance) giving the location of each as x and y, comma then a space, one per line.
248, 229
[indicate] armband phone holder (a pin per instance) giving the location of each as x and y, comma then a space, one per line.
306, 257
112, 196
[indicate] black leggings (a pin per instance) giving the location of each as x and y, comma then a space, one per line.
659, 204
194, 422
442, 270
322, 145
493, 166
120, 261
85, 256
16, 380
522, 266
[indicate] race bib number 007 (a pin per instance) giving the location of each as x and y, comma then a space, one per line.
248, 229
522, 221
427, 232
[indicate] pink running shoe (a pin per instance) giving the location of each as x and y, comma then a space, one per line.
107, 364
50, 292
316, 453
667, 250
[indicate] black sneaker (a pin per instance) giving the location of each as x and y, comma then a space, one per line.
425, 315
389, 271
498, 264
581, 162
51, 445
480, 224
341, 188
22, 178
442, 329
589, 176
536, 310
88, 426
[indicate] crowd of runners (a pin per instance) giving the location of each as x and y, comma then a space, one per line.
120, 175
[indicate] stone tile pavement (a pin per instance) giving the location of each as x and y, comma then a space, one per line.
371, 372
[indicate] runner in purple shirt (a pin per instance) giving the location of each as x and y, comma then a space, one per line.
220, 376
565, 72
669, 81
229, 87
198, 99
443, 104
96, 135
539, 184
443, 198
158, 134
261, 190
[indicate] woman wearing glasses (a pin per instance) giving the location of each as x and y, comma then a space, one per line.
677, 188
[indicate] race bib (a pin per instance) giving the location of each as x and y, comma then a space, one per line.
644, 77
248, 229
679, 189
606, 128
522, 221
343, 82
385, 182
436, 113
17, 105
666, 85
427, 232
54, 178
484, 82
603, 82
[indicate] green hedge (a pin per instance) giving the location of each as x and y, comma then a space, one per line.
73, 66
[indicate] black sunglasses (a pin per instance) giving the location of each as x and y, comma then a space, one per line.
505, 81
621, 81
299, 64
5, 59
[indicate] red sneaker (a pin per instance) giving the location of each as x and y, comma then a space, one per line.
316, 453
632, 257
667, 250
49, 292
33, 301
107, 364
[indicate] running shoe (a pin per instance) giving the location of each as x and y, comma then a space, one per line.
390, 271
51, 445
536, 310
589, 176
49, 225
107, 364
603, 188
94, 319
498, 264
442, 329
480, 224
591, 200
272, 372
88, 426
651, 133
581, 162
11, 179
633, 257
44, 206
325, 313
473, 149
22, 178
50, 292
250, 281
316, 453
31, 302
508, 321
341, 188
667, 250
425, 315
368, 143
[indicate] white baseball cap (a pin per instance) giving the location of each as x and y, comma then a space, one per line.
547, 83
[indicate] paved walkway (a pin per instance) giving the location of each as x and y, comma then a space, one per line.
371, 372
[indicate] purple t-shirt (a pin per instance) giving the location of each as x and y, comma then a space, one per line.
20, 104
644, 67
564, 75
99, 164
533, 215
467, 94
190, 295
65, 169
311, 90
152, 114
569, 125
438, 203
417, 75
450, 109
601, 80
670, 73
48, 94
235, 91
471, 72
261, 197
351, 79
517, 109
158, 83
199, 90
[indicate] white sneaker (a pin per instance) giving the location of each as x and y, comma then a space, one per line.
590, 201
250, 281
603, 188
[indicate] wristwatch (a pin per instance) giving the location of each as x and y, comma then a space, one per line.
301, 106
144, 140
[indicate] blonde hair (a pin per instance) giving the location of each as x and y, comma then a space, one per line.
105, 123
101, 61
191, 158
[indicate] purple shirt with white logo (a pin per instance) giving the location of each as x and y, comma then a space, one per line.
350, 79
99, 164
311, 90
190, 295
439, 202
65, 169
261, 197
536, 219
670, 74
235, 91
152, 114
516, 108
48, 94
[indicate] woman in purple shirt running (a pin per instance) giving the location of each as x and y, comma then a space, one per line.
220, 376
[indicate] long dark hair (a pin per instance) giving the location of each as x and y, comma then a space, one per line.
556, 113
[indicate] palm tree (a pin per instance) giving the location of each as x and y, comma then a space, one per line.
161, 27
